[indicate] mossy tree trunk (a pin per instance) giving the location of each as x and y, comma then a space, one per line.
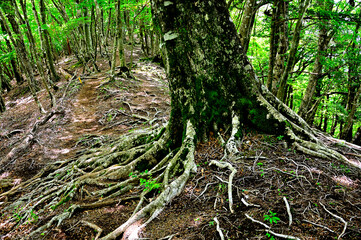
212, 83
209, 74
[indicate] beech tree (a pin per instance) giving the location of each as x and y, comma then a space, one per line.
213, 86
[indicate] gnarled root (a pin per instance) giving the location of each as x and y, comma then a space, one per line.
113, 170
170, 191
304, 138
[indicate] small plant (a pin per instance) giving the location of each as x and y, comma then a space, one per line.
270, 236
149, 183
33, 217
132, 175
222, 188
16, 214
211, 223
262, 174
110, 117
280, 137
271, 217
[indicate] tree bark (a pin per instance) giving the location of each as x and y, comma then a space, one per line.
247, 23
347, 130
280, 60
273, 46
208, 70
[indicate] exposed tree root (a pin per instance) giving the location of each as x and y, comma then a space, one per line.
29, 138
233, 172
219, 230
95, 227
144, 156
108, 169
303, 138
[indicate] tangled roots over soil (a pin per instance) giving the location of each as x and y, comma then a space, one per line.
140, 166
141, 158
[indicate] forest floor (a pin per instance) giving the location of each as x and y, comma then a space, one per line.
324, 197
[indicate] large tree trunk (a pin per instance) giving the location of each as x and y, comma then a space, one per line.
209, 73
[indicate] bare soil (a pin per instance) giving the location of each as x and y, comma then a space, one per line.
269, 174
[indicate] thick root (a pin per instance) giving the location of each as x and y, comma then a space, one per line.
170, 191
114, 170
303, 138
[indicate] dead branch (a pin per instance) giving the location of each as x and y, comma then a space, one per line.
219, 230
288, 211
337, 217
318, 225
29, 138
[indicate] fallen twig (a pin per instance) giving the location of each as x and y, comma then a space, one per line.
282, 235
219, 230
249, 204
339, 218
288, 211
256, 221
318, 225
9, 134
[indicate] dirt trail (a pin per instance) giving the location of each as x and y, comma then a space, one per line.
92, 109
83, 113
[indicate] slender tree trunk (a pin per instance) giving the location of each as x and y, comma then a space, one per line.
33, 47
307, 100
347, 130
273, 45
21, 54
279, 66
291, 60
2, 102
19, 79
115, 43
61, 10
334, 125
325, 123
47, 46
247, 23
357, 138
